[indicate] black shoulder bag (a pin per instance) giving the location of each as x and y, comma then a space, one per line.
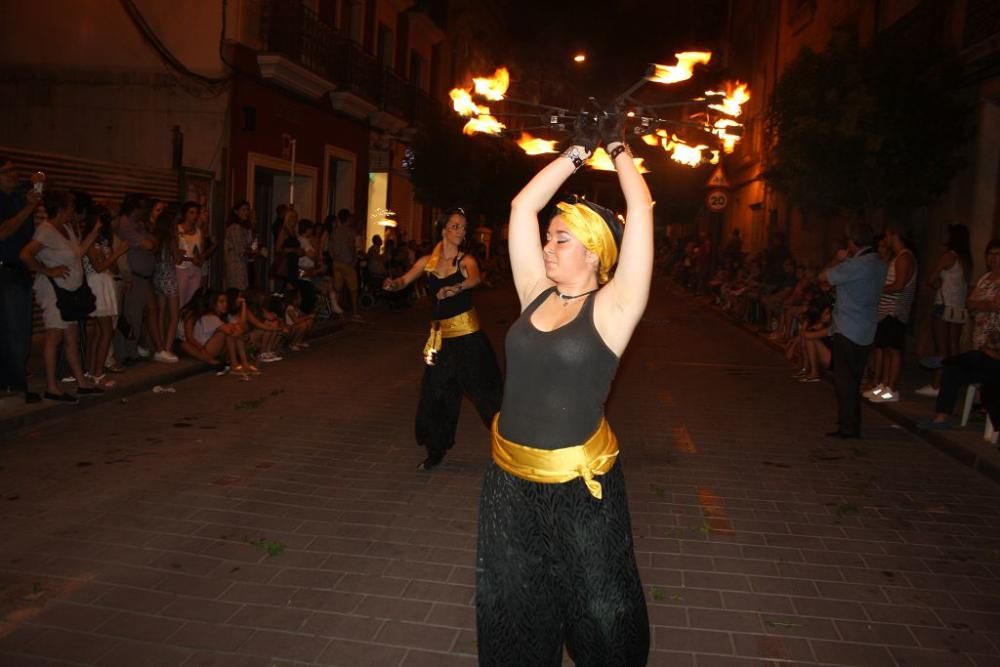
75, 305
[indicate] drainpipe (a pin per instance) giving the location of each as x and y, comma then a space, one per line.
178, 160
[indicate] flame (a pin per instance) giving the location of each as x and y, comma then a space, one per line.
728, 140
463, 104
683, 70
483, 123
683, 153
601, 161
736, 96
650, 140
494, 87
535, 146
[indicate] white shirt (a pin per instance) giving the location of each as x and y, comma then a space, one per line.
57, 250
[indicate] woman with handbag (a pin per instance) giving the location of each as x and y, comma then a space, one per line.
54, 255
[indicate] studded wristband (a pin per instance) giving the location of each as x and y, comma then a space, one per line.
617, 150
573, 155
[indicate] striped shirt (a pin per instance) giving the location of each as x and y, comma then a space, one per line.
898, 304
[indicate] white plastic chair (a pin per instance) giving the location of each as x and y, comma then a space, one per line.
989, 434
970, 397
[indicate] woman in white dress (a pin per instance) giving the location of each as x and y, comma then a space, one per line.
99, 263
191, 242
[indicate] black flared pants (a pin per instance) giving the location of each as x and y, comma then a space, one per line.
465, 366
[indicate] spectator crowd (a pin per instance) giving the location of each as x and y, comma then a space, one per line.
115, 287
807, 308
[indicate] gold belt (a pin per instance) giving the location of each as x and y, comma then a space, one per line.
453, 327
554, 466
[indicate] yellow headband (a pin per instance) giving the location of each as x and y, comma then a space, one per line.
589, 228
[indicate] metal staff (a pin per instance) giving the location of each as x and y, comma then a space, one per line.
291, 179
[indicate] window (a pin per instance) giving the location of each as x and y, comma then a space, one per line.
417, 70
384, 45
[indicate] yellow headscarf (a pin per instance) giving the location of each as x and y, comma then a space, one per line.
589, 228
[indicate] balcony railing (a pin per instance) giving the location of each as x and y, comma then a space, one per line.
298, 33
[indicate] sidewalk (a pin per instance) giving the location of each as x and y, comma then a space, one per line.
966, 444
140, 377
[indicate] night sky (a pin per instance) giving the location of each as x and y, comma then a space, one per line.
619, 38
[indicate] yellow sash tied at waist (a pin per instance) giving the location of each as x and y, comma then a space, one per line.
453, 327
555, 466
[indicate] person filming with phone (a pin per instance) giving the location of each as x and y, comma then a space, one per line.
17, 227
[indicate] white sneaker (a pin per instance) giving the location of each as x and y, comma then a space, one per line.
143, 352
928, 391
68, 379
874, 392
887, 396
269, 358
165, 357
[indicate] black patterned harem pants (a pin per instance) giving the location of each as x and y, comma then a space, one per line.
556, 566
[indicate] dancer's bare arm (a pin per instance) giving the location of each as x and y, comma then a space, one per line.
527, 263
619, 306
393, 284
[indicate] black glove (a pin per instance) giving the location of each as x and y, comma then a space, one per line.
586, 132
612, 128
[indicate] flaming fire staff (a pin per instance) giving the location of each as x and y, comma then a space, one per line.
459, 357
714, 121
555, 555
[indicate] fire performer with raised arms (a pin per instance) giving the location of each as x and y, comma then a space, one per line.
555, 556
459, 357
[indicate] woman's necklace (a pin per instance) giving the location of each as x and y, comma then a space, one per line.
566, 298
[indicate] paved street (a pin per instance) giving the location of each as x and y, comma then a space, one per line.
281, 522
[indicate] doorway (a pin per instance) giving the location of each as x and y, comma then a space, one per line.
269, 181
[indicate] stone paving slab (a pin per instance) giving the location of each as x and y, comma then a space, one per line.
281, 522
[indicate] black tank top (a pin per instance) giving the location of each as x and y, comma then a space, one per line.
452, 306
557, 381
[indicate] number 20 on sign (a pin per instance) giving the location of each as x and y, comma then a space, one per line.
717, 200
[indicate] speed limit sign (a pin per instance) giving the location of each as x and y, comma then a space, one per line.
716, 200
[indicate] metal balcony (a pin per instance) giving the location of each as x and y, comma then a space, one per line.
304, 53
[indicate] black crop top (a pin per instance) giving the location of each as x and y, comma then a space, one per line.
451, 306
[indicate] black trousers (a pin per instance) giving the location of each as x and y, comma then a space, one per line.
972, 367
848, 361
465, 366
15, 328
556, 566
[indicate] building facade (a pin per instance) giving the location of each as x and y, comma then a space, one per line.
228, 100
764, 37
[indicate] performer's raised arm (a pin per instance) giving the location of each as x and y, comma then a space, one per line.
526, 260
629, 289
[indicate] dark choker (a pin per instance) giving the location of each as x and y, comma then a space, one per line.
569, 297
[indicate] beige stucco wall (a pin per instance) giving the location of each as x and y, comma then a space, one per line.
77, 77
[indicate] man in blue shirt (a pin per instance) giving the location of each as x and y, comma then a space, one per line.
858, 274
17, 227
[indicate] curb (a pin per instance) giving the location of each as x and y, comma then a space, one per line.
173, 373
960, 453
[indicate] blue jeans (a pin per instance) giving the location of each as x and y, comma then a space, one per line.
15, 328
